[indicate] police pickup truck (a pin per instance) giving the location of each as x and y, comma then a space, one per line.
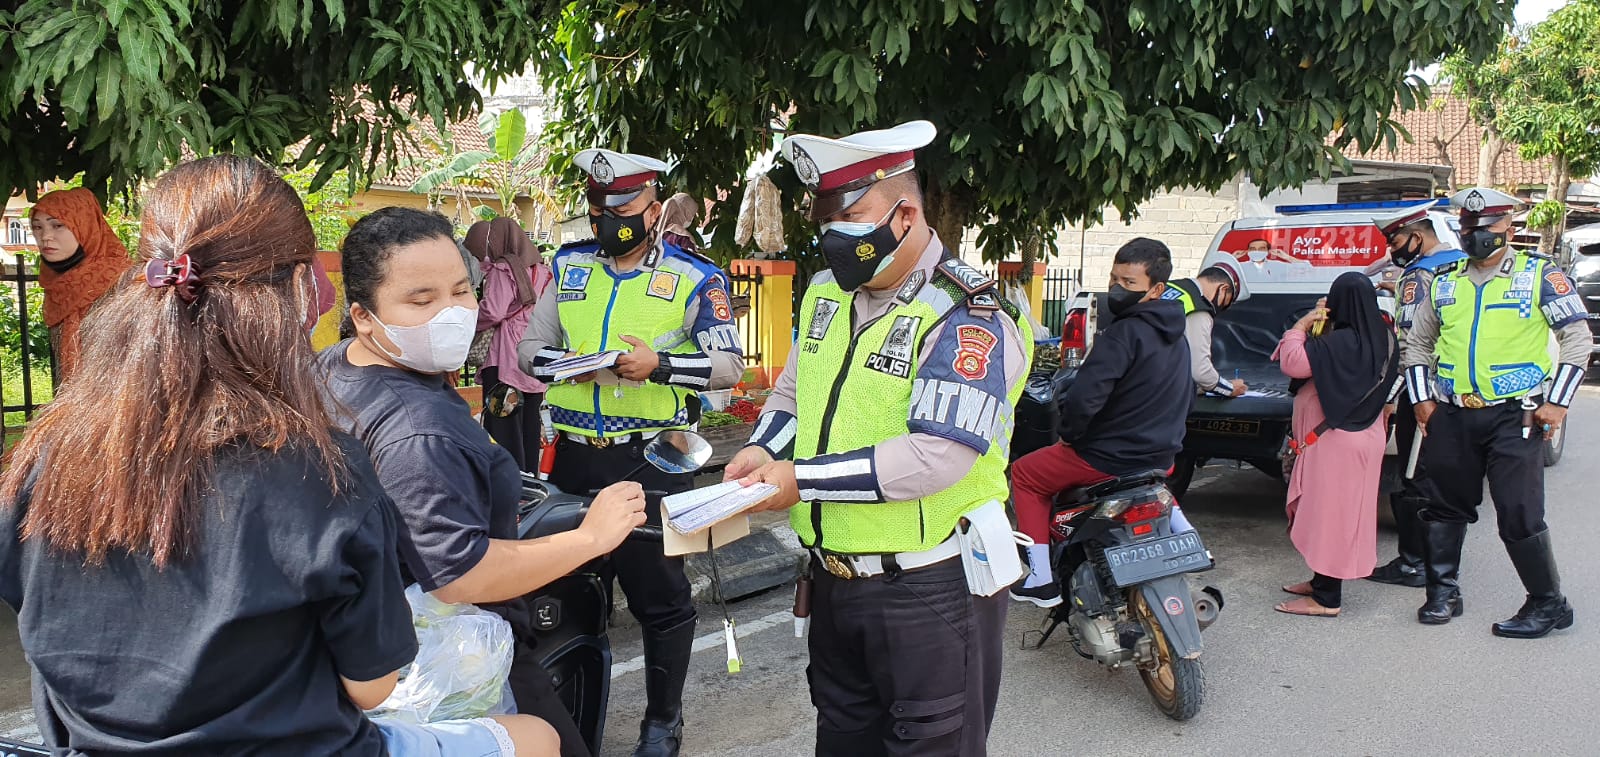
1306, 248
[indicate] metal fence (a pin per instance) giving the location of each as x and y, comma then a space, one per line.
744, 289
1060, 284
19, 277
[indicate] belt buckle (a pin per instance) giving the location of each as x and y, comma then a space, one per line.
600, 442
1473, 401
839, 568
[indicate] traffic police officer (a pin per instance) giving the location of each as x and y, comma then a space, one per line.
1214, 290
1418, 252
628, 289
897, 405
1479, 372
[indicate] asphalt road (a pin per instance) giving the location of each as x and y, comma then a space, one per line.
1371, 682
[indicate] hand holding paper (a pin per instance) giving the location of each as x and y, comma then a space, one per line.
691, 511
781, 475
581, 366
639, 363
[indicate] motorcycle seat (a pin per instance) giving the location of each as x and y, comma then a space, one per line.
1110, 486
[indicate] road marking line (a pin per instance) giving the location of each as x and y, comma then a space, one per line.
740, 630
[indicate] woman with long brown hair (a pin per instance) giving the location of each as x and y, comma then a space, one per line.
199, 563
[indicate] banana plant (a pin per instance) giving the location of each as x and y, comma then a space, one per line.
509, 169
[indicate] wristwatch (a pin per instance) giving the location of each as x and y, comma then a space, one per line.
663, 372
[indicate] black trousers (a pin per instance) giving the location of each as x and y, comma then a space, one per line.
907, 664
658, 592
518, 433
1415, 493
1464, 446
1327, 590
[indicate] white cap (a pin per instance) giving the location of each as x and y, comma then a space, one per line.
1229, 265
1483, 206
1393, 221
839, 171
615, 178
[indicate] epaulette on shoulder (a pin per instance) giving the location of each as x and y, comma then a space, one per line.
1448, 268
1537, 255
980, 292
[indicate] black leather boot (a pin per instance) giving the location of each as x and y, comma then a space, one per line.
1406, 569
1442, 553
1546, 609
666, 667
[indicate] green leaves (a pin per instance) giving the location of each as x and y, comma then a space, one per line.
119, 89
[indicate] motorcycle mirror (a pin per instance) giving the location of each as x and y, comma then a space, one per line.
502, 401
677, 451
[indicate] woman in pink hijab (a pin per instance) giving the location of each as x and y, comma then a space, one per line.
514, 276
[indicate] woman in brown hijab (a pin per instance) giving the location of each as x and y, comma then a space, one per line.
82, 258
514, 275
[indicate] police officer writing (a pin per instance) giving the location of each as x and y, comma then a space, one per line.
897, 408
1417, 251
1489, 404
632, 290
1203, 297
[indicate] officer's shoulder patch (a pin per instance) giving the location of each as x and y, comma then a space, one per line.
1448, 268
969, 279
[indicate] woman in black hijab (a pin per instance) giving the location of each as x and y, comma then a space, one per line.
1341, 382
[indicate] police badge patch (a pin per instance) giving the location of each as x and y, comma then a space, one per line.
974, 344
575, 278
663, 284
805, 167
894, 357
602, 171
821, 317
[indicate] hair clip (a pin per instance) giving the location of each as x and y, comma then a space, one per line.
177, 273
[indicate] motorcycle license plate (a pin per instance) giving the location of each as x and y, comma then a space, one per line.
1156, 558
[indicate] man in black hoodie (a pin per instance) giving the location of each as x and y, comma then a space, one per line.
1123, 414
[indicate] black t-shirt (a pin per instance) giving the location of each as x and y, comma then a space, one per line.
455, 488
236, 650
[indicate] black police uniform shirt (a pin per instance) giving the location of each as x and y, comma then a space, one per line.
235, 649
455, 488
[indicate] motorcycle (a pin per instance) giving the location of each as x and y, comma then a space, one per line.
570, 615
1127, 600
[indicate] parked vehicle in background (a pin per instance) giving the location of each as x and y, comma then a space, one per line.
1308, 247
1580, 257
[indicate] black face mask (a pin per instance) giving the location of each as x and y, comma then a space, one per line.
618, 235
62, 266
1121, 298
855, 259
1482, 243
1403, 256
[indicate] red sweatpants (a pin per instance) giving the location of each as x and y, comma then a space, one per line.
1037, 477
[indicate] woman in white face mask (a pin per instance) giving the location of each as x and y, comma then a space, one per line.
414, 317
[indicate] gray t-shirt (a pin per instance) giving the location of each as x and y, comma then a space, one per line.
454, 487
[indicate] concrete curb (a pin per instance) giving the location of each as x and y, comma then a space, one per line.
770, 557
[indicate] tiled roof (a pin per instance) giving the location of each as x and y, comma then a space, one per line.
1441, 119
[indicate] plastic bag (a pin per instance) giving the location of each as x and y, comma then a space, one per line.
760, 216
463, 662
